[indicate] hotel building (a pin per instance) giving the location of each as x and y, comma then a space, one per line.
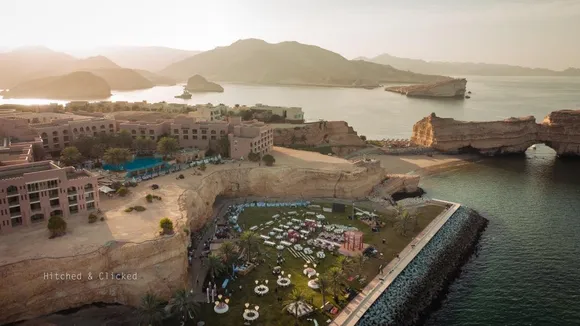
256, 137
151, 130
59, 134
31, 193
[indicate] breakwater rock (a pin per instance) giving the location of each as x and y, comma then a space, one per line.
450, 88
408, 299
559, 130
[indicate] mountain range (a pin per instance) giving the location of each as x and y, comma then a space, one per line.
465, 68
288, 63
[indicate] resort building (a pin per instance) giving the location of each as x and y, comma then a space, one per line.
16, 141
32, 192
208, 112
59, 134
288, 113
197, 134
256, 137
151, 130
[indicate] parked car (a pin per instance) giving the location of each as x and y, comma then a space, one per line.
370, 252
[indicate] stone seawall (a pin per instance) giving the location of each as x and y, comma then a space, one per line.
161, 263
408, 299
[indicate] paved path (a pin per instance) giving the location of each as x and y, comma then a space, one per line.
351, 314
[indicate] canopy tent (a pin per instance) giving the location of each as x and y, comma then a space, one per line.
106, 189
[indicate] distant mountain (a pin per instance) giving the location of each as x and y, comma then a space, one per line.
36, 62
152, 58
287, 63
77, 85
466, 68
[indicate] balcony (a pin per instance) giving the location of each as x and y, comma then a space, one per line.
14, 202
12, 192
53, 194
15, 214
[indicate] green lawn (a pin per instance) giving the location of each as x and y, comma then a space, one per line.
271, 311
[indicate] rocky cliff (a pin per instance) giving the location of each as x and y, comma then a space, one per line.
198, 84
337, 136
161, 263
452, 88
559, 130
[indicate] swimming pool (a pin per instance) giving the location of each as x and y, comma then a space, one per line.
136, 164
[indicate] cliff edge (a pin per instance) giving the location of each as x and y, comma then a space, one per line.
559, 130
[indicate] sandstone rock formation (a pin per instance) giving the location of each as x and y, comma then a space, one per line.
338, 135
452, 88
559, 130
161, 263
199, 84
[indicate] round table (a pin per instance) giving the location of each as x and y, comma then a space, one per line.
283, 282
261, 289
307, 251
221, 308
313, 284
280, 247
309, 271
250, 315
320, 254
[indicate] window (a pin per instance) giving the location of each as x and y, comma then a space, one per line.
185, 137
111, 126
16, 221
175, 131
55, 133
75, 130
142, 131
65, 132
56, 145
213, 132
213, 137
55, 140
55, 203
102, 126
35, 207
152, 137
194, 137
134, 132
194, 131
204, 137
94, 128
91, 205
44, 135
204, 131
82, 129
222, 132
88, 187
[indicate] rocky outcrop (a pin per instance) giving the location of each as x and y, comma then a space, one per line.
452, 88
559, 130
198, 84
161, 263
337, 136
77, 85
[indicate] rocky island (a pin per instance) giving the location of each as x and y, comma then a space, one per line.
451, 88
560, 130
198, 84
76, 85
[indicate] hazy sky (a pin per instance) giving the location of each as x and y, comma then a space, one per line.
541, 33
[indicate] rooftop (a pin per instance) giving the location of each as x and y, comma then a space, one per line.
18, 170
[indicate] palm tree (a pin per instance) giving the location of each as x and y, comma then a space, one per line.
215, 265
249, 240
70, 156
357, 264
335, 278
183, 304
343, 263
151, 310
117, 156
229, 253
323, 282
296, 297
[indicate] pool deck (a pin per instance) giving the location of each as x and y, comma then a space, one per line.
353, 312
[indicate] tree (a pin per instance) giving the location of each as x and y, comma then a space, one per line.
356, 265
123, 139
268, 159
224, 146
215, 266
254, 157
84, 144
151, 310
56, 226
364, 138
335, 278
406, 221
38, 152
323, 283
98, 151
295, 297
184, 305
167, 225
229, 253
247, 115
342, 262
167, 146
144, 145
70, 156
202, 167
117, 156
249, 240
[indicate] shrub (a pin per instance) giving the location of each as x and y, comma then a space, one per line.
102, 218
139, 208
157, 197
122, 191
56, 226
186, 231
269, 159
254, 157
149, 198
363, 137
202, 167
92, 218
128, 209
167, 225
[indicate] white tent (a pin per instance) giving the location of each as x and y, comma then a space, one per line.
106, 189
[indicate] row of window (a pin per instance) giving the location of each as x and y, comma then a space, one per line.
50, 184
186, 137
194, 131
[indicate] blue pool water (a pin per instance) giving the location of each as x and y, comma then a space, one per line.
136, 164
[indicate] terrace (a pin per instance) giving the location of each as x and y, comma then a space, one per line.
302, 259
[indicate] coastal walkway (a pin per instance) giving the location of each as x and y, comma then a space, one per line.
351, 314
